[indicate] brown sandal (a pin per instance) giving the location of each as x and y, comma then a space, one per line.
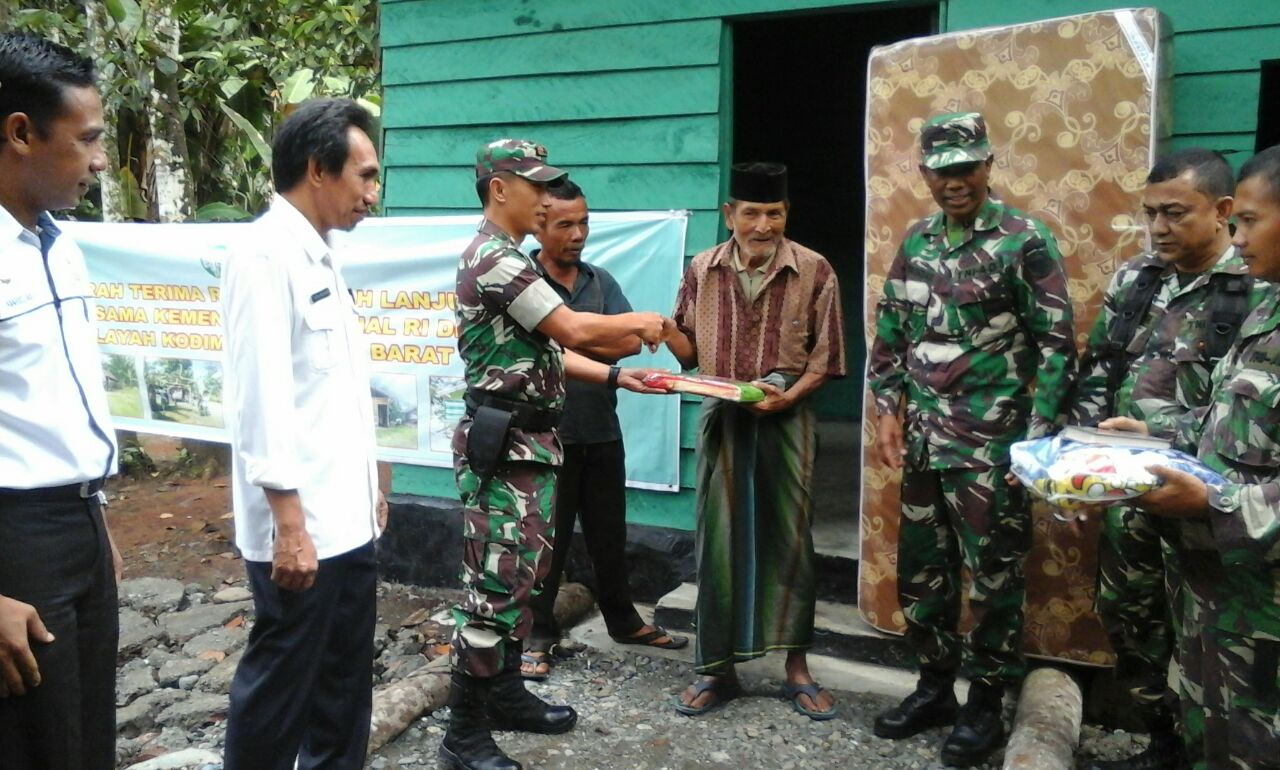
653, 639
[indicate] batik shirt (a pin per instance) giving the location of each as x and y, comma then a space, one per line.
976, 336
792, 325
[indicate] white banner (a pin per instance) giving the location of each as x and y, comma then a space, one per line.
159, 326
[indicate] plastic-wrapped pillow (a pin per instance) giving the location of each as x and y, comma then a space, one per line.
705, 385
1069, 473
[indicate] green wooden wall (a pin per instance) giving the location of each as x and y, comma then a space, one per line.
633, 96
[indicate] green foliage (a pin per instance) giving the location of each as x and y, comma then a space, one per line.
122, 369
134, 460
241, 66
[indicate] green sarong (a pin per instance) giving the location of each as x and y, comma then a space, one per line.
754, 545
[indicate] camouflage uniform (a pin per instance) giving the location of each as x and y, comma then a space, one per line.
1167, 367
962, 333
507, 527
1229, 562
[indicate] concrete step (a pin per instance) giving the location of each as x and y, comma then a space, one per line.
839, 631
836, 673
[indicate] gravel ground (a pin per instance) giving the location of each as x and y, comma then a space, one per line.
626, 722
624, 700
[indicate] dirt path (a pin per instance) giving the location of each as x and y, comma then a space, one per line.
174, 527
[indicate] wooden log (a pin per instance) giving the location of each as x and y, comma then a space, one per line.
398, 704
1046, 729
180, 760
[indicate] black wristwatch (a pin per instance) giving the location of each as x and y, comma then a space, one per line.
614, 373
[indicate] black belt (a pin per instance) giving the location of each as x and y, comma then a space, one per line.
524, 415
66, 493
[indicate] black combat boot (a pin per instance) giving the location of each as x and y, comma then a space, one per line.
1163, 753
979, 727
512, 707
468, 744
933, 704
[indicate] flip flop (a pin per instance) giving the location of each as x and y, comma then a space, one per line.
724, 691
532, 660
652, 638
792, 692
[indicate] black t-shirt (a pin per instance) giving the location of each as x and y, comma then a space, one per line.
590, 410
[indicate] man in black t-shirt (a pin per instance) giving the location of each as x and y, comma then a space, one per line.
593, 477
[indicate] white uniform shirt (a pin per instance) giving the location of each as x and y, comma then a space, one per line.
54, 425
297, 382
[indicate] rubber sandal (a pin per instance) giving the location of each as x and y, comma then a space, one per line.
532, 660
724, 691
651, 640
792, 692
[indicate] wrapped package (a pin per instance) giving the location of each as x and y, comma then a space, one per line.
1068, 473
702, 385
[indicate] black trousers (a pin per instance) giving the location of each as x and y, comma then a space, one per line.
304, 687
55, 557
592, 484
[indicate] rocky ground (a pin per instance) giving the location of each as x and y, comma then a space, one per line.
185, 617
180, 644
626, 723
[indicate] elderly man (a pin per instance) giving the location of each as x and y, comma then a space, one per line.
506, 450
58, 626
1226, 537
304, 479
1166, 319
763, 308
592, 481
975, 313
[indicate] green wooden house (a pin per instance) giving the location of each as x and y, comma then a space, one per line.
648, 103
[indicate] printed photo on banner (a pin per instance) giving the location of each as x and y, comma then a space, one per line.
395, 410
124, 398
185, 390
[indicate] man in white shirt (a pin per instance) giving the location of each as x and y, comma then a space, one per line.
305, 484
58, 627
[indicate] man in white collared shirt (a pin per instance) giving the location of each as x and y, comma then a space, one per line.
58, 626
305, 485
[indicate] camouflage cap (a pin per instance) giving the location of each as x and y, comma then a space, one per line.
518, 156
959, 137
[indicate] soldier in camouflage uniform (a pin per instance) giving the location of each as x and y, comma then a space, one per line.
975, 312
1166, 319
511, 326
1227, 546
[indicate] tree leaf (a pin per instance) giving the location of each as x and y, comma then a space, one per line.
166, 65
135, 206
127, 15
116, 9
299, 86
221, 212
255, 137
231, 86
373, 107
337, 85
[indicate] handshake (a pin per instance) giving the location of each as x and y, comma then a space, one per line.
654, 328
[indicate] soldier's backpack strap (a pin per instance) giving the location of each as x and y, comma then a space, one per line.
1128, 317
1228, 306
